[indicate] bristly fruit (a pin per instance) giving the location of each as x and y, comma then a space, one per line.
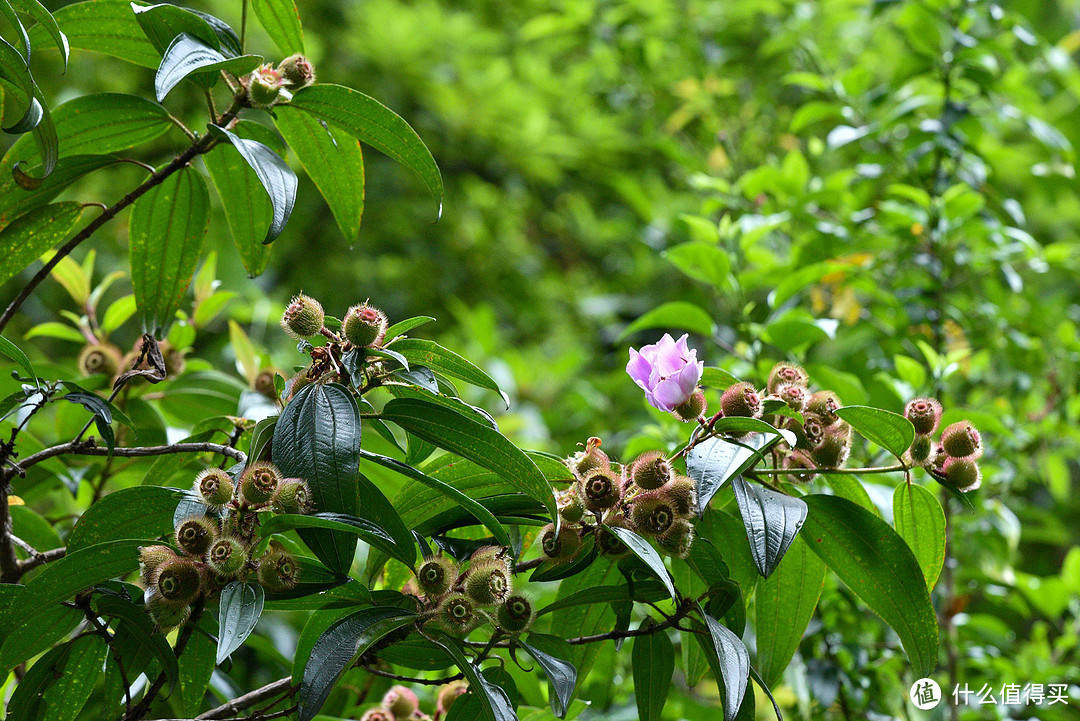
264, 86
799, 460
215, 487
303, 318
278, 571
196, 533
514, 614
258, 482
178, 580
924, 414
962, 474
225, 556
650, 470
785, 374
678, 539
401, 702
922, 452
961, 440
447, 695
824, 405
167, 614
651, 514
99, 358
436, 575
378, 714
601, 490
813, 429
832, 451
364, 326
610, 544
692, 408
292, 496
151, 559
681, 494
457, 615
487, 582
741, 400
795, 396
590, 459
571, 507
297, 71
561, 547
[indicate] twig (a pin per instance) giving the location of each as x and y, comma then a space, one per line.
275, 688
88, 448
40, 559
140, 709
411, 679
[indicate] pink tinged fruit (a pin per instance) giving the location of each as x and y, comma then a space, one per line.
668, 371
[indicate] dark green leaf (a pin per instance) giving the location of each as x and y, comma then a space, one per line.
24, 641
15, 353
920, 521
25, 239
889, 430
361, 527
548, 652
577, 621
281, 22
46, 20
141, 627
240, 609
12, 17
102, 415
730, 661
644, 591
35, 117
16, 200
196, 666
317, 438
187, 55
369, 121
166, 232
403, 327
434, 356
376, 507
653, 661
65, 698
877, 564
27, 699
108, 122
771, 519
164, 22
339, 647
714, 461
643, 550
103, 26
494, 702
277, 178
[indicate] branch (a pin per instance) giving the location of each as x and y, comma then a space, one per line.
275, 688
40, 559
138, 711
826, 471
89, 448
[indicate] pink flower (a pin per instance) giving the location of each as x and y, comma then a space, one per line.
668, 371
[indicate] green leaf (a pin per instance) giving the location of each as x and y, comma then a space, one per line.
360, 527
920, 521
432, 355
479, 443
877, 564
771, 519
138, 623
187, 55
494, 703
118, 313
195, 666
247, 206
715, 461
403, 327
15, 353
548, 651
642, 590
16, 201
480, 513
730, 662
333, 161
281, 21
889, 430
164, 22
46, 20
371, 122
643, 550
653, 661
317, 438
59, 684
717, 378
376, 507
104, 26
56, 329
13, 18
784, 604
101, 411
36, 117
166, 232
30, 235
108, 122
277, 178
586, 621
910, 371
339, 647
676, 314
700, 260
240, 607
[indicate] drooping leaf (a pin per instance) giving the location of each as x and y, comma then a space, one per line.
16, 200
889, 430
66, 696
195, 667
101, 411
592, 619
277, 178
441, 360
785, 602
494, 703
141, 627
187, 55
46, 20
317, 438
371, 122
549, 652
339, 647
16, 354
771, 519
104, 26
164, 22
241, 605
653, 661
644, 550
920, 521
730, 660
361, 527
12, 17
281, 22
877, 564
30, 235
35, 118
166, 232
715, 461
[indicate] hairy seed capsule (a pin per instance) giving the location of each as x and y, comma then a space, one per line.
436, 575
487, 583
99, 358
610, 544
378, 714
178, 580
303, 318
795, 396
741, 400
824, 405
922, 452
364, 326
832, 451
514, 615
601, 490
457, 615
785, 374
651, 470
297, 70
278, 571
924, 414
561, 547
292, 496
651, 515
151, 558
962, 474
447, 695
813, 429
681, 494
678, 539
215, 487
571, 507
166, 614
226, 556
258, 482
961, 440
692, 408
797, 460
196, 533
401, 702
591, 459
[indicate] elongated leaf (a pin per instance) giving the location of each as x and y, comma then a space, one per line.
715, 461
339, 647
30, 235
104, 26
139, 624
644, 550
12, 17
653, 661
404, 326
332, 160
281, 22
548, 650
102, 414
361, 527
108, 122
187, 55
730, 660
876, 563
166, 232
481, 514
46, 20
66, 696
27, 699
889, 430
35, 116
589, 620
785, 603
195, 666
241, 606
676, 314
771, 519
317, 438
16, 200
480, 444
371, 122
15, 353
276, 176
164, 22
434, 356
376, 507
643, 591
920, 521
494, 703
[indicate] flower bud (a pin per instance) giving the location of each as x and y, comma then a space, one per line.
561, 547
297, 71
824, 404
166, 614
263, 86
651, 515
401, 702
800, 459
436, 575
178, 580
215, 487
488, 582
99, 358
692, 408
364, 326
795, 396
601, 490
226, 556
651, 470
447, 695
303, 318
963, 474
678, 539
457, 615
278, 571
591, 459
834, 447
571, 507
922, 452
924, 414
514, 614
681, 494
195, 534
292, 496
258, 482
785, 374
151, 559
961, 440
264, 384
498, 554
741, 400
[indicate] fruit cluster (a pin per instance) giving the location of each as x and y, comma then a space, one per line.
401, 704
458, 600
952, 460
217, 549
